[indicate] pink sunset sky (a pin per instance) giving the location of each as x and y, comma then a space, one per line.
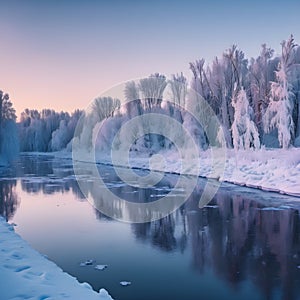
63, 54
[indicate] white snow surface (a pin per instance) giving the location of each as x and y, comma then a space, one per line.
276, 170
26, 274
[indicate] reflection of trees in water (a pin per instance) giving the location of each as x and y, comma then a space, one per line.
38, 174
9, 200
278, 238
51, 186
101, 216
241, 241
49, 176
237, 239
162, 233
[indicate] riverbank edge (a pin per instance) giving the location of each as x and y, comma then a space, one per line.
270, 170
27, 274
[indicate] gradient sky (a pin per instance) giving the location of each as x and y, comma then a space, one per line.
62, 54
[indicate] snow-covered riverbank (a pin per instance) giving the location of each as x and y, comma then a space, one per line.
26, 274
275, 170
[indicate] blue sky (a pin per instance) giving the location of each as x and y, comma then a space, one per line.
62, 54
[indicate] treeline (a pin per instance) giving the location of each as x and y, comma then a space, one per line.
272, 86
257, 102
47, 130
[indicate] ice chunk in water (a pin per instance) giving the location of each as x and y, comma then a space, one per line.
125, 283
88, 262
100, 267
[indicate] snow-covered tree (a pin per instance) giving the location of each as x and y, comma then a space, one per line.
7, 111
179, 89
279, 112
244, 131
104, 107
260, 77
131, 91
46, 130
152, 89
295, 81
216, 84
133, 106
9, 143
60, 137
10, 146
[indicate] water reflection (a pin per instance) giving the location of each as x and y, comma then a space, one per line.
9, 200
241, 236
236, 237
47, 175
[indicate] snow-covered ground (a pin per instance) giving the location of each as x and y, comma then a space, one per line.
275, 170
26, 274
272, 170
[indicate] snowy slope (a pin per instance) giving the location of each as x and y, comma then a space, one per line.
26, 274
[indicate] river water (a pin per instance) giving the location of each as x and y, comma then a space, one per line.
245, 244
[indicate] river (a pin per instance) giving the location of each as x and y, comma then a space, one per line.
245, 244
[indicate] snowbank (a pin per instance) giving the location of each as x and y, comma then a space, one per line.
26, 274
276, 170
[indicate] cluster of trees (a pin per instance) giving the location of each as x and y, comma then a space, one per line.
42, 131
46, 130
257, 102
267, 86
141, 97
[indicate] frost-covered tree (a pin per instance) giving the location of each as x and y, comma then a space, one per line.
235, 67
152, 89
60, 137
104, 107
279, 112
200, 81
244, 131
7, 111
9, 143
295, 81
216, 84
260, 77
46, 130
131, 91
101, 109
133, 104
179, 89
35, 129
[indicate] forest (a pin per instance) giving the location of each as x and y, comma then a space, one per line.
257, 102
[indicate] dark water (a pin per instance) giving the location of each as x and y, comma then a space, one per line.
244, 245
